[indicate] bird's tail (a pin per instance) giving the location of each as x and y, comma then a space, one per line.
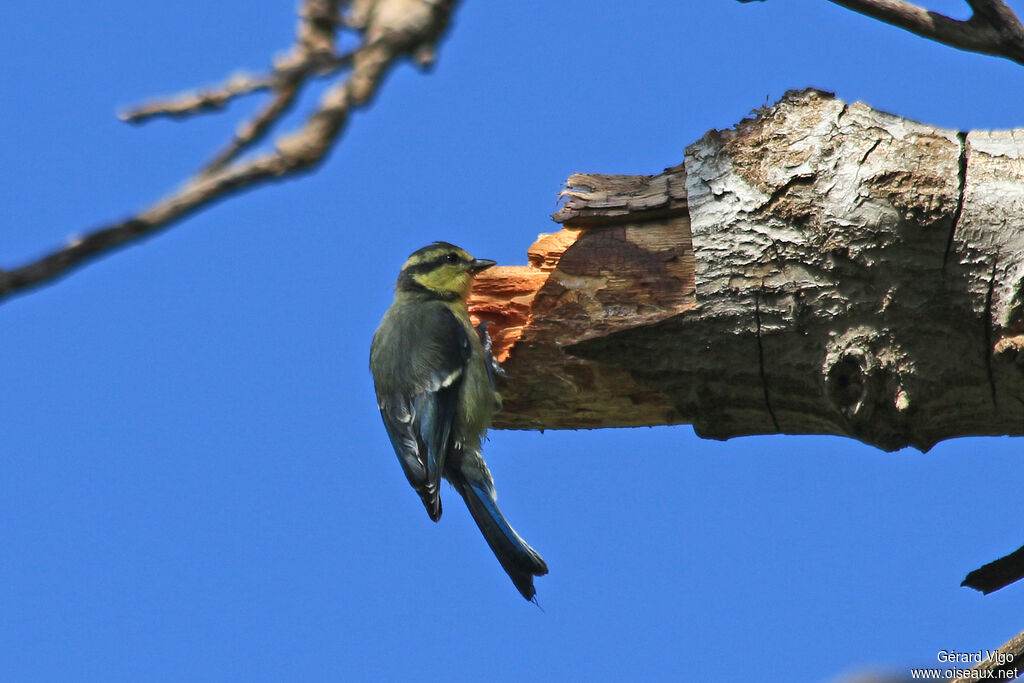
517, 558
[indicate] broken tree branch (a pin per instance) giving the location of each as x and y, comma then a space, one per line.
389, 31
823, 268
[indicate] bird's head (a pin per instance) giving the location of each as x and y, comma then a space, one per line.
441, 270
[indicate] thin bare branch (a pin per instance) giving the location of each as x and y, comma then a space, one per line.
289, 79
319, 20
313, 53
197, 101
993, 28
315, 41
256, 128
391, 31
204, 100
999, 14
998, 573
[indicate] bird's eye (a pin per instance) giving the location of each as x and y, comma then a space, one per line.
452, 258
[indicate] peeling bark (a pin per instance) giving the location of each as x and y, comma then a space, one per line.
822, 268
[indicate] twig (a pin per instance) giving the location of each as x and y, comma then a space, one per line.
391, 30
315, 41
197, 101
993, 28
202, 100
998, 573
313, 53
256, 128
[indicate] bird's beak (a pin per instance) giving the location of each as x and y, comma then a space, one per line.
478, 264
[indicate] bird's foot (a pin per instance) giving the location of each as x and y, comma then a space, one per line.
493, 366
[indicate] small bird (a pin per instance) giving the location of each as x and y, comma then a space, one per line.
435, 390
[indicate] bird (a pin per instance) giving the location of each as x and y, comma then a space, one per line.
434, 380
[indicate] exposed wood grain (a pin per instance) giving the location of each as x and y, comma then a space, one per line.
605, 281
820, 268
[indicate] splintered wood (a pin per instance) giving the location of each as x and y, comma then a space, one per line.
584, 283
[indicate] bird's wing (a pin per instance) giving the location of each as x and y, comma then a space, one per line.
419, 423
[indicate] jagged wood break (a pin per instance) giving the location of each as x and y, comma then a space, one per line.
822, 268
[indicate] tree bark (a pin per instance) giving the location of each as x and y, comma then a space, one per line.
821, 268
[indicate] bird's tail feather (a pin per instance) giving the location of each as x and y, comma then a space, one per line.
517, 558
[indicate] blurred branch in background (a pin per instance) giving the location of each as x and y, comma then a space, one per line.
388, 31
993, 28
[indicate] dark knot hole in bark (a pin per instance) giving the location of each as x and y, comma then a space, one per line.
847, 384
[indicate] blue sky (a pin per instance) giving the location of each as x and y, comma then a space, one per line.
194, 480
